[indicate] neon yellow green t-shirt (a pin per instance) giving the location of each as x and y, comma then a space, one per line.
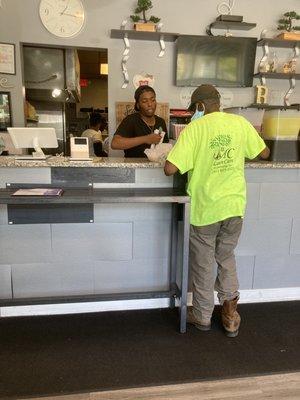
212, 149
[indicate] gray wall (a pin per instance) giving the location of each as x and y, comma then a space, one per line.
20, 23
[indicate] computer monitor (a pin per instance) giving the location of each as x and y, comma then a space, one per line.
25, 138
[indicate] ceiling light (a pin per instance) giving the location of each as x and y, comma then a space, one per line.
56, 92
104, 69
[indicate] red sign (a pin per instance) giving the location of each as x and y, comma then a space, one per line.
84, 82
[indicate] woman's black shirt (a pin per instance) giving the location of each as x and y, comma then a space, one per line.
134, 126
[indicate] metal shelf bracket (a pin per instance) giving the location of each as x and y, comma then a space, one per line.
125, 58
292, 80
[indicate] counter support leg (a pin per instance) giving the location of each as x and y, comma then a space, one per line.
185, 266
173, 258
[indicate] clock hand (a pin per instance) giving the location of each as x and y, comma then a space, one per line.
64, 10
62, 13
72, 15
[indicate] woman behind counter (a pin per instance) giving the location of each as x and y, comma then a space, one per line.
136, 132
97, 124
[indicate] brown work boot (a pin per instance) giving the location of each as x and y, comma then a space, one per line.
191, 319
230, 317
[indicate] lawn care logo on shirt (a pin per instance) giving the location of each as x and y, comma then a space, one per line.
223, 153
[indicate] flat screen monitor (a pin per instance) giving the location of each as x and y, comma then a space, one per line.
218, 60
26, 138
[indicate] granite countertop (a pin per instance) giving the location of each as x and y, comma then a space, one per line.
97, 162
272, 164
114, 162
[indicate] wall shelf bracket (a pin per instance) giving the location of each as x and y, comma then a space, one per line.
125, 58
289, 92
263, 62
162, 46
292, 80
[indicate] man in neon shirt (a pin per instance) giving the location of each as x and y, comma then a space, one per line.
212, 149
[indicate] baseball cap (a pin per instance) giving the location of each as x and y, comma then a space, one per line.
203, 92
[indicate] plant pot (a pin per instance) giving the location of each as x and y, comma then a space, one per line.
289, 36
145, 26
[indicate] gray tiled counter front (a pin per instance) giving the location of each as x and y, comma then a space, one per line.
126, 248
40, 260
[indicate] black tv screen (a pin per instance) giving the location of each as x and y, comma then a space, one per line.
219, 60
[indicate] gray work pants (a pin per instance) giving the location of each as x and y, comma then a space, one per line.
210, 244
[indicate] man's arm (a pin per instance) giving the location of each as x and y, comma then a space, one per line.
265, 153
123, 143
170, 169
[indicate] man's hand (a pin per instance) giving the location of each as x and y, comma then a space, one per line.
265, 153
153, 138
170, 169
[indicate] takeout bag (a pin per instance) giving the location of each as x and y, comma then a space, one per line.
159, 152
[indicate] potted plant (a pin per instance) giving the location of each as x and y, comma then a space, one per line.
146, 24
286, 24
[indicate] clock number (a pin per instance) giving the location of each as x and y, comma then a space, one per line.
46, 11
62, 30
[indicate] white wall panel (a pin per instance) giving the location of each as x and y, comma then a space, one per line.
92, 242
295, 239
131, 212
257, 175
276, 272
24, 175
135, 275
21, 244
3, 214
5, 282
279, 200
151, 239
265, 236
253, 195
46, 279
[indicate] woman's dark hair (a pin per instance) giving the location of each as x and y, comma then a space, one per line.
95, 119
139, 91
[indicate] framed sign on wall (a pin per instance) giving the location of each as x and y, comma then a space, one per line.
5, 111
7, 59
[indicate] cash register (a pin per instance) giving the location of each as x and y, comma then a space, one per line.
80, 149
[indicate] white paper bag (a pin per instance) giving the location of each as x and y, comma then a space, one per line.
159, 152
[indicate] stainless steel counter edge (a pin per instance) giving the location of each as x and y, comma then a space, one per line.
113, 162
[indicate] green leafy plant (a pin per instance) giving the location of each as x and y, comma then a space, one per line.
286, 23
142, 7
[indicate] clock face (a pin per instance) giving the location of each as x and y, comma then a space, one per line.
63, 18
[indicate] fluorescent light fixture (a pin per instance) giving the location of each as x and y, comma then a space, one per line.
56, 92
104, 69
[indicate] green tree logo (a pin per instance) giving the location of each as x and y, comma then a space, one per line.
220, 141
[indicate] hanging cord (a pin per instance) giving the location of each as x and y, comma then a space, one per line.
50, 78
226, 8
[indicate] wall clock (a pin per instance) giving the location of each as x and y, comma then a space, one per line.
62, 18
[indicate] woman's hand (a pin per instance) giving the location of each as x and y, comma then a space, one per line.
153, 138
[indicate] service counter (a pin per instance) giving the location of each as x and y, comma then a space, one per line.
102, 248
